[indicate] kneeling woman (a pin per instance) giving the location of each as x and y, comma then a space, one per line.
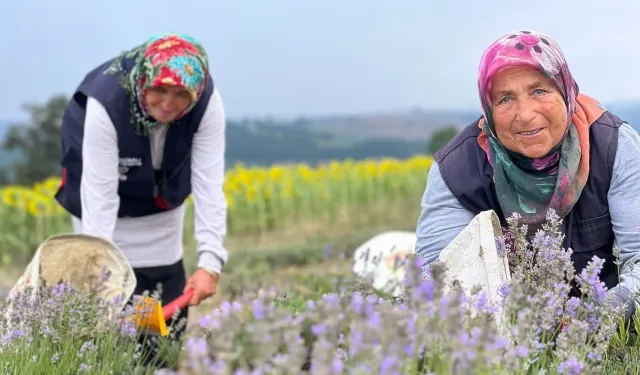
540, 144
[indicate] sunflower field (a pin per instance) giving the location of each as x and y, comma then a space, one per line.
260, 200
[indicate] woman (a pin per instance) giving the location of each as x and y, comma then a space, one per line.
141, 132
540, 144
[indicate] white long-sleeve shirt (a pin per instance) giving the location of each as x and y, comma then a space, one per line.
155, 240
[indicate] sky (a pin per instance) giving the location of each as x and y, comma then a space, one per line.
287, 58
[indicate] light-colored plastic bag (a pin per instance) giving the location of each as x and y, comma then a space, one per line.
80, 259
471, 258
380, 260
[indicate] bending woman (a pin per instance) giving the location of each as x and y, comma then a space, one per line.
540, 144
141, 133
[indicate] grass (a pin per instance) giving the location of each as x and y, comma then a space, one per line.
296, 282
253, 256
290, 258
299, 272
294, 260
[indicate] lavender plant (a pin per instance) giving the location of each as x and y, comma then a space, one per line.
427, 330
355, 329
62, 330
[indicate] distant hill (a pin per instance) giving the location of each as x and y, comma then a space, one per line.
420, 124
6, 157
411, 125
267, 143
263, 143
628, 111
317, 139
4, 128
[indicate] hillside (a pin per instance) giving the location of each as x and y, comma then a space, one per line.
628, 111
4, 125
311, 140
416, 125
264, 143
410, 125
6, 157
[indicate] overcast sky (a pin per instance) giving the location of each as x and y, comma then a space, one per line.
305, 57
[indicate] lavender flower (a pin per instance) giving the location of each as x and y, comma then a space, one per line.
354, 329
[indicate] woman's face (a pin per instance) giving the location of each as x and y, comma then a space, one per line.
529, 113
166, 102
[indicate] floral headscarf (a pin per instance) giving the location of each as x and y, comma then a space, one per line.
173, 59
527, 186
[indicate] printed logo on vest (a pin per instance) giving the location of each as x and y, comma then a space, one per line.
124, 164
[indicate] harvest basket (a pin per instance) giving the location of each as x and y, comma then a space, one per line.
81, 261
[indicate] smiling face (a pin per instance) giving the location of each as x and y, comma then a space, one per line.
529, 114
164, 103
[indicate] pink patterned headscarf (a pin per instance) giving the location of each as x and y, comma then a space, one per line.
526, 48
530, 186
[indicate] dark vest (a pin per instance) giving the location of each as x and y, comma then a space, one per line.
143, 191
588, 229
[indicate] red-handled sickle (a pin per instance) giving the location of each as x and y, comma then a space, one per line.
179, 303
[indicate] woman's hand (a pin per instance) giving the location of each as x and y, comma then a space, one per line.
204, 284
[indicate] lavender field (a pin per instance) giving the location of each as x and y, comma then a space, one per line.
317, 318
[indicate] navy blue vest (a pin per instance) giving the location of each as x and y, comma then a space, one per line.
588, 229
142, 190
